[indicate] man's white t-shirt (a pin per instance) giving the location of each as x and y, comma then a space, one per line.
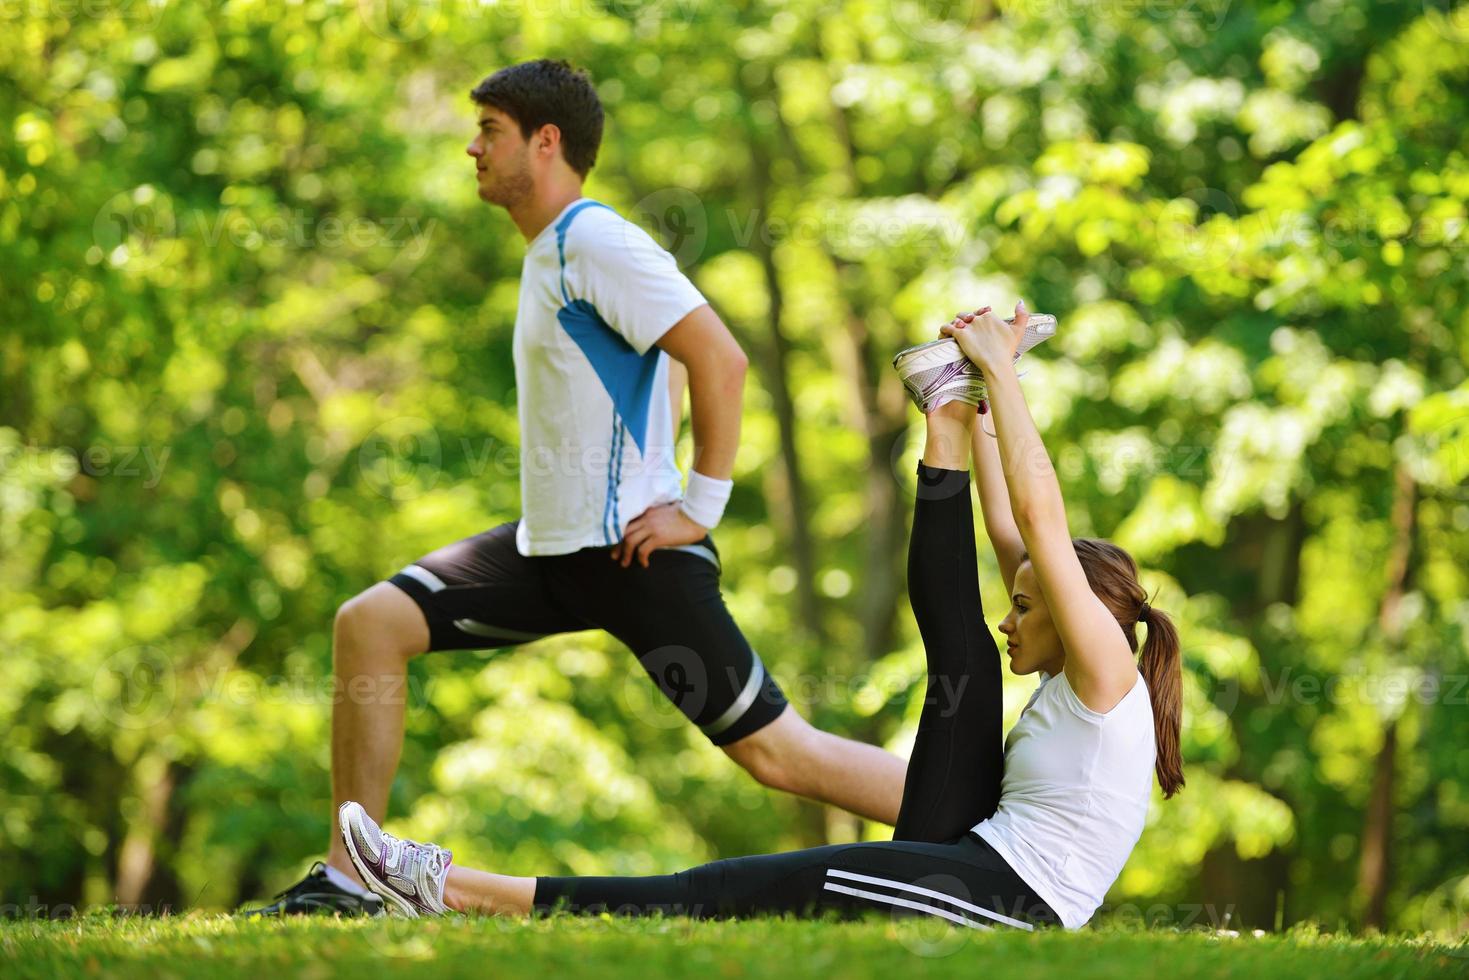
596, 426
1074, 796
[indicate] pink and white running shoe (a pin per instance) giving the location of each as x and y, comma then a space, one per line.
938, 372
408, 875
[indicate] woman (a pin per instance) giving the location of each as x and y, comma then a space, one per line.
1035, 833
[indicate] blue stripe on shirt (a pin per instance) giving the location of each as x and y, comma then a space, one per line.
628, 377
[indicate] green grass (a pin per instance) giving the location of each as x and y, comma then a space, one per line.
204, 946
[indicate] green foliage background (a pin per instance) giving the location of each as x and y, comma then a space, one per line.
255, 355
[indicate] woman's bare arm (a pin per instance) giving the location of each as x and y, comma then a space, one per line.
994, 504
1099, 665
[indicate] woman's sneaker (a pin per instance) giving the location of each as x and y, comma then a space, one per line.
409, 876
938, 372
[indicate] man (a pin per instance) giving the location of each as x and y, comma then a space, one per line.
607, 329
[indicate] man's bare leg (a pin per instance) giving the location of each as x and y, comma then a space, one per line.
375, 635
792, 755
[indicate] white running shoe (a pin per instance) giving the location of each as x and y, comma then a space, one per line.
409, 876
938, 372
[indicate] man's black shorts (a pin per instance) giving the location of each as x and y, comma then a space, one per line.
481, 593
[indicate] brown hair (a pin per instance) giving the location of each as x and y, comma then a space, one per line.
1112, 574
535, 93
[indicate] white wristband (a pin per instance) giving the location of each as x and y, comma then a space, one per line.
704, 499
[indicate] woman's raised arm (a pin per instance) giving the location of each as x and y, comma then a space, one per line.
1099, 664
994, 504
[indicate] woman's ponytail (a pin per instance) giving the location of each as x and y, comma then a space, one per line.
1162, 670
1112, 574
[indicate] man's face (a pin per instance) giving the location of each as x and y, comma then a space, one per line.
501, 159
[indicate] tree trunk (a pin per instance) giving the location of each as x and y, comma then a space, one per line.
792, 507
882, 420
142, 877
1280, 566
138, 856
1374, 878
1375, 872
1342, 89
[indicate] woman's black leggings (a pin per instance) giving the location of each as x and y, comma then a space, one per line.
933, 865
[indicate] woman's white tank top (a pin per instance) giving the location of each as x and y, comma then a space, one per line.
1074, 796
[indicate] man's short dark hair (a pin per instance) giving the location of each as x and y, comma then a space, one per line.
535, 93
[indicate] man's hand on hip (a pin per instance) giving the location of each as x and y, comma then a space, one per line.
661, 526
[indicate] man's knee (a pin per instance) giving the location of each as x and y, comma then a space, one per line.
381, 619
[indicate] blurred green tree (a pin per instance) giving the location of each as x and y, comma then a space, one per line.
254, 355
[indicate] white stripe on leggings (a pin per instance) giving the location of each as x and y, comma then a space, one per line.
929, 893
905, 903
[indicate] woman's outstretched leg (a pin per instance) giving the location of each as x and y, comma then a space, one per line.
957, 763
766, 884
965, 882
472, 890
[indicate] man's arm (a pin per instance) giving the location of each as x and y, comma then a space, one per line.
716, 366
716, 370
678, 379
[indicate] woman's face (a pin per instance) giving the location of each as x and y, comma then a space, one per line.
1034, 643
